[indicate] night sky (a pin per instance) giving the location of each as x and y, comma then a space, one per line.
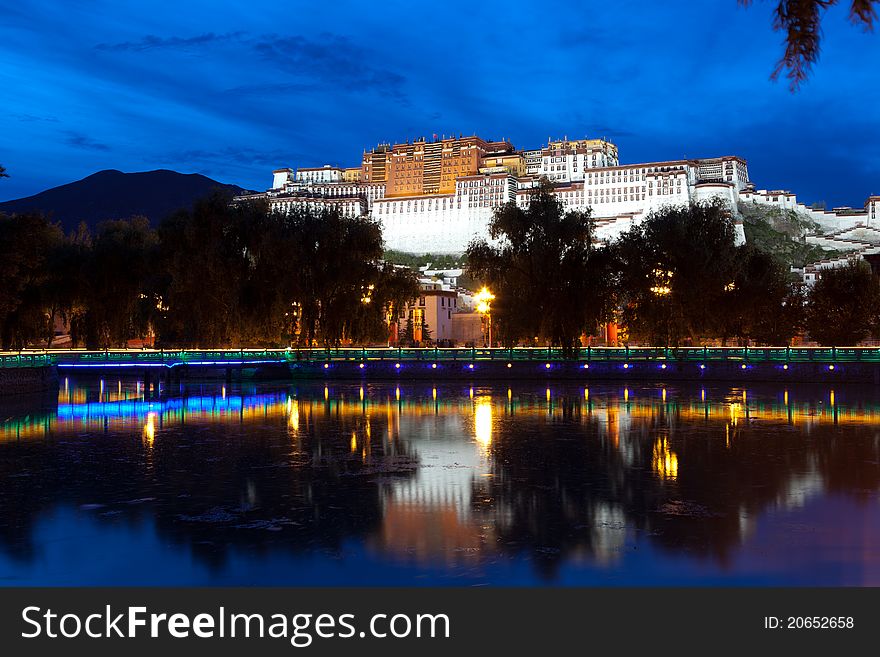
235, 89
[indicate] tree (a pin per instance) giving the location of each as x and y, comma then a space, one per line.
382, 302
27, 242
204, 262
673, 271
548, 278
3, 173
760, 303
801, 22
427, 335
337, 258
115, 288
844, 305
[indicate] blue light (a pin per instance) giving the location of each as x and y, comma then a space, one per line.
361, 366
547, 366
831, 367
663, 366
397, 366
326, 365
626, 366
744, 366
471, 366
586, 366
433, 366
702, 366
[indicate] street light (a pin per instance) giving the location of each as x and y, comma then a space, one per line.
484, 306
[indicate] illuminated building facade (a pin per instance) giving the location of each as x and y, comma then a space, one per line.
436, 196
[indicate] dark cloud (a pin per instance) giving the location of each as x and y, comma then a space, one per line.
272, 89
33, 118
152, 42
79, 140
331, 58
238, 155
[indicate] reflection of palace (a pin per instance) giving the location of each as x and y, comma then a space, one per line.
453, 476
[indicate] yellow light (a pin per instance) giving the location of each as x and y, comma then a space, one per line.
326, 393
483, 422
150, 429
484, 299
832, 399
785, 398
664, 460
509, 394
548, 394
353, 443
434, 393
626, 394
664, 394
472, 393
293, 414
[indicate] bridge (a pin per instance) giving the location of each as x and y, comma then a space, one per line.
621, 356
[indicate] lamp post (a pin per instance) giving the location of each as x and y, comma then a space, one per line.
484, 306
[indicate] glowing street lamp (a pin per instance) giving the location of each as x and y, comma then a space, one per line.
663, 280
484, 306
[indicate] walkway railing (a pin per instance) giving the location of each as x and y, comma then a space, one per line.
241, 357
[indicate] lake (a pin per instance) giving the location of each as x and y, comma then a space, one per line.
298, 484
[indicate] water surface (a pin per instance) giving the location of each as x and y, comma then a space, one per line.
283, 484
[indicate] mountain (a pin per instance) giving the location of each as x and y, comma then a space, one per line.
113, 194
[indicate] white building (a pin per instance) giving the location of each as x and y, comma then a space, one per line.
324, 174
586, 175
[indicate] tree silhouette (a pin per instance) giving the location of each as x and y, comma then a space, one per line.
844, 305
548, 278
673, 270
801, 22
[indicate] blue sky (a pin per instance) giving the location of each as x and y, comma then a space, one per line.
236, 89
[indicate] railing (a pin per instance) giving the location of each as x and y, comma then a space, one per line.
238, 357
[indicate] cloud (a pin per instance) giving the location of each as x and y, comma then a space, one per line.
152, 42
271, 89
244, 155
84, 142
33, 118
331, 58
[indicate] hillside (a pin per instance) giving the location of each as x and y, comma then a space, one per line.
782, 233
112, 194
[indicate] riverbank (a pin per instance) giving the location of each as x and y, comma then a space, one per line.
734, 372
23, 372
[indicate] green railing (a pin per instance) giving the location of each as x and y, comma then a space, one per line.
233, 357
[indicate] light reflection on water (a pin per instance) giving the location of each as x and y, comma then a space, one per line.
440, 484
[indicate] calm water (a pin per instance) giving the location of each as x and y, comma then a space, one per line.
277, 484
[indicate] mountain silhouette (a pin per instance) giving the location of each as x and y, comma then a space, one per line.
112, 194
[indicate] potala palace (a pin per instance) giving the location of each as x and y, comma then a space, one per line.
435, 196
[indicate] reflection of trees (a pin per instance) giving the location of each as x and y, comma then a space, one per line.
569, 485
212, 487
